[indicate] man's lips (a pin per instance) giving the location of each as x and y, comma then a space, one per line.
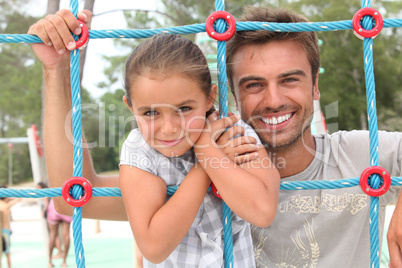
170, 143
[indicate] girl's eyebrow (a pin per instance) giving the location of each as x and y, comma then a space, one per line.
156, 105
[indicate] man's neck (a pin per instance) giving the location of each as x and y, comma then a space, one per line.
294, 159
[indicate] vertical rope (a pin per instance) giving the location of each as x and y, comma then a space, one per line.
77, 144
373, 134
223, 112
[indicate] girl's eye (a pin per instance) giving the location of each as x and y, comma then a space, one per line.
150, 113
183, 109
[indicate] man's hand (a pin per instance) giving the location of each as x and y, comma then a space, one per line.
55, 32
394, 237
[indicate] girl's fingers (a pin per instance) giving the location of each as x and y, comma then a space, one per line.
241, 159
219, 126
242, 149
230, 134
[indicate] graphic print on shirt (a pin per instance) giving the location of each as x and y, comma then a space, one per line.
302, 248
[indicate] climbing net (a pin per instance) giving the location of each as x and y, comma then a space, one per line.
220, 26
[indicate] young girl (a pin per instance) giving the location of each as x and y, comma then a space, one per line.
169, 91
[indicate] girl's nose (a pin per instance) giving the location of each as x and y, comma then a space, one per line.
169, 126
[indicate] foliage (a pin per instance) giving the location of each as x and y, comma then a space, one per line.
342, 59
20, 94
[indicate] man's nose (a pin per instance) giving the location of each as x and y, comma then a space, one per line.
273, 97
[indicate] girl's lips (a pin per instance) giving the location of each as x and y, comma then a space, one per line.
171, 143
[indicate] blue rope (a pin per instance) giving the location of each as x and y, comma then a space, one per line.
221, 26
77, 191
199, 28
77, 145
367, 24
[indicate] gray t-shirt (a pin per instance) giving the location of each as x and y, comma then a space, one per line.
329, 228
203, 244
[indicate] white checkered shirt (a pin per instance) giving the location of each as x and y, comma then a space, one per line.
203, 244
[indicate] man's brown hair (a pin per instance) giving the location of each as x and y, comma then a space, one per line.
308, 40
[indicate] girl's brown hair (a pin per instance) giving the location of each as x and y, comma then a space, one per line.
164, 54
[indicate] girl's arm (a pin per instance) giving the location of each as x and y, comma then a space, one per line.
250, 189
159, 226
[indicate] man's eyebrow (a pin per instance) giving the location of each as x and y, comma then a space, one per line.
147, 108
292, 72
250, 78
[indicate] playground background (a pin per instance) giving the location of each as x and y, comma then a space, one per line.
112, 246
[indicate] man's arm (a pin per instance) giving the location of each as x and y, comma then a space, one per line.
54, 30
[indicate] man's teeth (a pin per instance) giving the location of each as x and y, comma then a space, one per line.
276, 120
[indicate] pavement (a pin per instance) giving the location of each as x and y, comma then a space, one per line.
106, 243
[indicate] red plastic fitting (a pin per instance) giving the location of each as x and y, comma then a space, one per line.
358, 29
382, 173
209, 25
84, 35
70, 183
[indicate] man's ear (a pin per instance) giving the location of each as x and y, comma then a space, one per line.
126, 101
316, 91
212, 96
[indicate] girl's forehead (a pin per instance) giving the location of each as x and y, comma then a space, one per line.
167, 90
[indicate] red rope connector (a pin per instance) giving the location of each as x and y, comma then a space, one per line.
65, 191
84, 35
215, 191
209, 25
386, 178
358, 29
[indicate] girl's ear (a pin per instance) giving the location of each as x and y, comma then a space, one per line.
127, 104
212, 96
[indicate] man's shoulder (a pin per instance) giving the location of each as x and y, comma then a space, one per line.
358, 136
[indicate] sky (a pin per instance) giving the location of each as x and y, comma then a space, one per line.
93, 70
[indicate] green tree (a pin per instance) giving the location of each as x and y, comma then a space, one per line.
20, 98
342, 58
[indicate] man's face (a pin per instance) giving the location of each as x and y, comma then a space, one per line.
275, 92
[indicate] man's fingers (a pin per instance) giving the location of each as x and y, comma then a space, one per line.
395, 254
39, 30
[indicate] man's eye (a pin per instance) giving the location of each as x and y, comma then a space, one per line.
253, 85
183, 109
150, 113
290, 79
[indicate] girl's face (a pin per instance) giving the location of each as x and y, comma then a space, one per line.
170, 111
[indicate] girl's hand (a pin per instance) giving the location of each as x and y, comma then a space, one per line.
241, 149
213, 129
54, 30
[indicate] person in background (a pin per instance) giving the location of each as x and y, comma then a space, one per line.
5, 205
54, 220
44, 204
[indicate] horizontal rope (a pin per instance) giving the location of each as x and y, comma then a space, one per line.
112, 191
198, 28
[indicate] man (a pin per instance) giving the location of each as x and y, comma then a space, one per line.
275, 80
274, 77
